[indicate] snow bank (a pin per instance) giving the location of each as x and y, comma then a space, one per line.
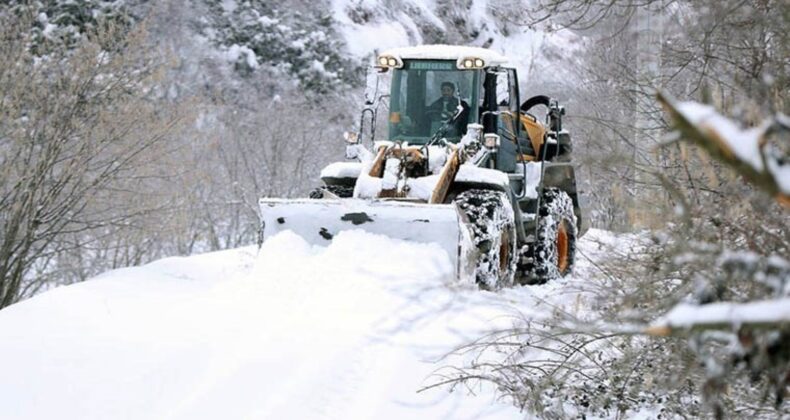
298, 332
347, 331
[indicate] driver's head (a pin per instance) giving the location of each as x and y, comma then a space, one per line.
448, 89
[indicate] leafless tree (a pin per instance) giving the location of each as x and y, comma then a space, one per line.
78, 128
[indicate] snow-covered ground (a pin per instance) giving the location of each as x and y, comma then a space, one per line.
350, 331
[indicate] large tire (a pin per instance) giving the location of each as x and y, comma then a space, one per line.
341, 191
493, 229
553, 253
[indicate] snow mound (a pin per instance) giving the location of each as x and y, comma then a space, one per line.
348, 331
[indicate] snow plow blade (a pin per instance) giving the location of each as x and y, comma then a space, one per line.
318, 221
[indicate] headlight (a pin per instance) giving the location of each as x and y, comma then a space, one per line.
386, 61
470, 63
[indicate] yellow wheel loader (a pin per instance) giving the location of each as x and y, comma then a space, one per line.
465, 165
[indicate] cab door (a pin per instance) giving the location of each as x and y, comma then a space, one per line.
508, 105
502, 103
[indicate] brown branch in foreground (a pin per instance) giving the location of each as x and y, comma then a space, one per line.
709, 139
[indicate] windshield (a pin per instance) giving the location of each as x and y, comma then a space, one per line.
426, 94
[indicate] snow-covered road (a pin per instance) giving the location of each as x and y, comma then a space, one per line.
349, 331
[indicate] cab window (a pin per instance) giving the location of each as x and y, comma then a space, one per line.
425, 95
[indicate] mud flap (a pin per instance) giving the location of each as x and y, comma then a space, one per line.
318, 221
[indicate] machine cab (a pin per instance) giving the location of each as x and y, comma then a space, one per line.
425, 94
439, 89
436, 84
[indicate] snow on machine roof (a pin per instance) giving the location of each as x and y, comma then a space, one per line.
446, 52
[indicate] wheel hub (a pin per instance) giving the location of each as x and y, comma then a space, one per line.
562, 248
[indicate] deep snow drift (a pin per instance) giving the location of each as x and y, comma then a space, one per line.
349, 331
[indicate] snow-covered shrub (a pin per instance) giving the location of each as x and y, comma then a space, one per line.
732, 265
694, 320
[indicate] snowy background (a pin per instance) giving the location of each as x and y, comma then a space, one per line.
133, 131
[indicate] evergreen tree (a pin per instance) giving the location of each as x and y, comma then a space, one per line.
65, 22
302, 44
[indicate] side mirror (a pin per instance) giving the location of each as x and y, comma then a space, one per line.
556, 112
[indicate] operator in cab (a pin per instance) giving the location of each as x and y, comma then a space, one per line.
445, 108
447, 105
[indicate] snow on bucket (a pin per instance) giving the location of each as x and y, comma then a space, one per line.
318, 221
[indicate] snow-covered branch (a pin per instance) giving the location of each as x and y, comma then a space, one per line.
750, 152
723, 315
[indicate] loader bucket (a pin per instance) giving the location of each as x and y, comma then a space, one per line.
318, 221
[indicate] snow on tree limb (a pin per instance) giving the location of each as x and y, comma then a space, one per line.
722, 315
747, 151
